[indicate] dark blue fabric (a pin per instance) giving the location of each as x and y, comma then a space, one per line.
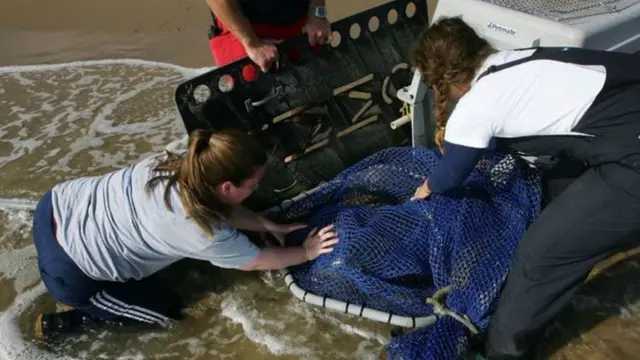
457, 163
62, 277
68, 285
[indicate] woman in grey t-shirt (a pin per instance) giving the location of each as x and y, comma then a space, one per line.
101, 239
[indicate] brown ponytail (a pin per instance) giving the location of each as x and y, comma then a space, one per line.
441, 113
211, 159
448, 53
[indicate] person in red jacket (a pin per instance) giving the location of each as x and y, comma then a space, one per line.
250, 28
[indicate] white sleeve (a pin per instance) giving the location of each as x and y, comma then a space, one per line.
472, 122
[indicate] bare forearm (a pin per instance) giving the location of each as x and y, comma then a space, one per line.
277, 258
245, 219
230, 14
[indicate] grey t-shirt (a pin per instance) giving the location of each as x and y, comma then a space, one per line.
115, 231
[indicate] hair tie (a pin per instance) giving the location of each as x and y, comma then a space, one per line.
203, 142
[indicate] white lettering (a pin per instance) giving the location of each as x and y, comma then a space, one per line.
501, 28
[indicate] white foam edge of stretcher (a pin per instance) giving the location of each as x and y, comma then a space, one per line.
354, 309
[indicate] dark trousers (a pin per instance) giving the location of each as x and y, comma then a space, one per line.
146, 301
594, 217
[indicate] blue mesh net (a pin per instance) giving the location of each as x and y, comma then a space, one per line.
394, 253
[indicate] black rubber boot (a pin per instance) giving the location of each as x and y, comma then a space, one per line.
59, 323
73, 321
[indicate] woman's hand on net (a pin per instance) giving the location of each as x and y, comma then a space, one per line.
320, 242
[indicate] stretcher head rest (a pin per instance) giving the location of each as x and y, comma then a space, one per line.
324, 108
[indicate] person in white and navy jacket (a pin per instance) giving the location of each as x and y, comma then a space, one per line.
580, 107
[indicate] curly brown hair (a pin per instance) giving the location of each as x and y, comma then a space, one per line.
449, 52
211, 159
